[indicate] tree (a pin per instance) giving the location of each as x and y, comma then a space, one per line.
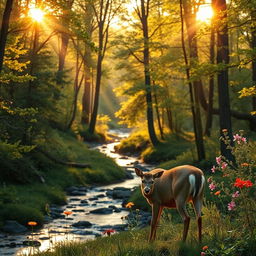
190, 21
222, 78
143, 13
87, 97
104, 12
64, 35
4, 30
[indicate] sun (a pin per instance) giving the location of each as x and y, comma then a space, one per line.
36, 14
205, 13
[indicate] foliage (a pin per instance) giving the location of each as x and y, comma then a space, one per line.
238, 183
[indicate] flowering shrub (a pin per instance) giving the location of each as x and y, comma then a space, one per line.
233, 185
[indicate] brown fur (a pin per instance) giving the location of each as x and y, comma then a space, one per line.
172, 189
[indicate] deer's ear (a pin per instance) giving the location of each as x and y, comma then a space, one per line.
158, 174
139, 172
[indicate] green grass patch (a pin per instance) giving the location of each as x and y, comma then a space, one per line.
135, 143
173, 146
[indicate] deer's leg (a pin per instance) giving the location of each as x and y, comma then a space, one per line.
157, 221
154, 221
181, 207
198, 208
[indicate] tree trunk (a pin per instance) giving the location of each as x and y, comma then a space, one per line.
253, 29
88, 80
190, 20
150, 118
86, 99
158, 113
92, 124
209, 115
4, 30
64, 39
223, 89
77, 86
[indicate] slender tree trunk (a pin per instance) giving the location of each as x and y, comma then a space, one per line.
190, 20
150, 118
77, 86
98, 82
223, 89
33, 62
88, 81
64, 37
253, 30
158, 113
4, 30
209, 115
86, 99
169, 109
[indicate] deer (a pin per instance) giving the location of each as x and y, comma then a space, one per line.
173, 188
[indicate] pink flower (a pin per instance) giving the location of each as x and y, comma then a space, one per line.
231, 205
218, 160
224, 165
212, 186
237, 138
236, 194
209, 180
203, 253
213, 169
244, 140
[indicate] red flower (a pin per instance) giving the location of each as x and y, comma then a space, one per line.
205, 248
242, 183
248, 183
109, 231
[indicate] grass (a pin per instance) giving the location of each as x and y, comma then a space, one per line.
216, 231
26, 202
218, 234
138, 142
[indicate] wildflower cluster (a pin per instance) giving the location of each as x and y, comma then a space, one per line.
237, 182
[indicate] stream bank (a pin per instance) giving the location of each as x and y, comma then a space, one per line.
94, 210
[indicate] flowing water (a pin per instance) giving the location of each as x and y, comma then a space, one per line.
61, 229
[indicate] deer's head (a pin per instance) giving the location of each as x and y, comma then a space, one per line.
148, 180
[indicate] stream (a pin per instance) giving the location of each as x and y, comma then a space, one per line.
94, 210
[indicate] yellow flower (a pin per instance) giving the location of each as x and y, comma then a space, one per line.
217, 193
129, 205
244, 164
67, 212
32, 223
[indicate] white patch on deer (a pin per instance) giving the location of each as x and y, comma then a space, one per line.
202, 184
192, 181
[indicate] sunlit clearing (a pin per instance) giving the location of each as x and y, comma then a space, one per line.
204, 13
36, 14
